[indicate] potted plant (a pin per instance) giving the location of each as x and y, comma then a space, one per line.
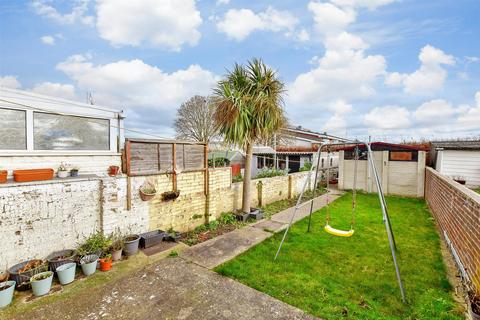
66, 272
3, 176
41, 283
474, 303
147, 192
118, 243
62, 171
106, 262
74, 172
170, 195
32, 175
89, 264
131, 244
23, 271
97, 243
172, 235
6, 292
113, 171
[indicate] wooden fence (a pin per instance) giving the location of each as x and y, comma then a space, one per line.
148, 157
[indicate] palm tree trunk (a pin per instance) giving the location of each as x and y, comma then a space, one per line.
247, 178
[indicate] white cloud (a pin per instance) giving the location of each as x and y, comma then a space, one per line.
238, 24
303, 36
222, 2
469, 118
48, 40
135, 84
66, 91
340, 107
169, 24
344, 74
336, 124
345, 41
429, 78
10, 82
330, 18
388, 118
370, 4
78, 13
434, 112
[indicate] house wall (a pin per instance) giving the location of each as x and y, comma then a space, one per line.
37, 218
86, 162
397, 177
457, 212
465, 163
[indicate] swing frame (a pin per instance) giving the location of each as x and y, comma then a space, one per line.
381, 197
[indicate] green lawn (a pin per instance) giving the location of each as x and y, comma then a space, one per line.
337, 278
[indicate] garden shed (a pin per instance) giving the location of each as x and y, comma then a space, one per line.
401, 168
459, 160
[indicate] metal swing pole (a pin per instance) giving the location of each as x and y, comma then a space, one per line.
314, 188
299, 201
386, 220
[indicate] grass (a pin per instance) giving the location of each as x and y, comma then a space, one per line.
354, 278
477, 190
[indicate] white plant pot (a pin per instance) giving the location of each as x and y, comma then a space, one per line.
62, 174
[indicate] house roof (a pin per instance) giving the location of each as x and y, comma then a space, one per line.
457, 145
300, 132
377, 146
263, 150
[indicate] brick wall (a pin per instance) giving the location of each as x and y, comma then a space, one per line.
37, 218
457, 212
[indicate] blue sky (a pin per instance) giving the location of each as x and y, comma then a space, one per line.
392, 69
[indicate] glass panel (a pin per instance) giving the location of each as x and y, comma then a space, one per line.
13, 134
59, 132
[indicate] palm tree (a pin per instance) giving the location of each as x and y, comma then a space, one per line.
249, 108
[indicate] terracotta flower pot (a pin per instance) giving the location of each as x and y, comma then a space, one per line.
113, 170
146, 196
105, 264
3, 176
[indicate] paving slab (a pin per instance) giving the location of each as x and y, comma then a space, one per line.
216, 251
170, 289
270, 225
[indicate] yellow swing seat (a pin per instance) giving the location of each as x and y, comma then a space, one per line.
338, 233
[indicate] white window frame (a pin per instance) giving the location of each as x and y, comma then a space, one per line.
114, 134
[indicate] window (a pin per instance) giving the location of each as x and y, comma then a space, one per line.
13, 131
323, 162
331, 162
60, 132
403, 156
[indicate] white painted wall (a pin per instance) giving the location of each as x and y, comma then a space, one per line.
465, 163
397, 177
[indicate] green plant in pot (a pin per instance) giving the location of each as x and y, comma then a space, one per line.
41, 282
170, 195
62, 170
118, 243
147, 191
6, 289
97, 243
74, 172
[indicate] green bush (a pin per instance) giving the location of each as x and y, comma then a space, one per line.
271, 172
306, 166
96, 243
237, 178
219, 162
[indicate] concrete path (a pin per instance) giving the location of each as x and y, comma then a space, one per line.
170, 289
216, 251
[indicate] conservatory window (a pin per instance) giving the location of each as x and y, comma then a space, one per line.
63, 132
13, 131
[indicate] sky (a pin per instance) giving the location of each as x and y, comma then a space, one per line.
391, 69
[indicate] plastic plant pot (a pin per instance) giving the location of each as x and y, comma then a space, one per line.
131, 245
89, 264
73, 173
6, 293
41, 283
66, 273
62, 174
3, 176
117, 255
113, 170
58, 258
105, 264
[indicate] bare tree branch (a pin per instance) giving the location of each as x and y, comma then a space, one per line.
195, 120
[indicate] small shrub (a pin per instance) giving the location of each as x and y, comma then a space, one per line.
306, 166
96, 243
219, 162
213, 225
271, 172
173, 254
237, 178
227, 218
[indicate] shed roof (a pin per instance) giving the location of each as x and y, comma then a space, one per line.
379, 146
457, 145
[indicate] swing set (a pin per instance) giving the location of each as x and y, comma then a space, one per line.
347, 233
